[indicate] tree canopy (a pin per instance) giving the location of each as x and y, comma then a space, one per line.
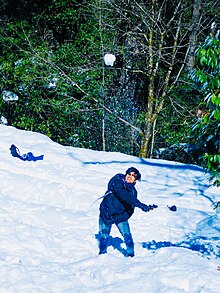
52, 59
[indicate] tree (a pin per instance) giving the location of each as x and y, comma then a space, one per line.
193, 32
58, 82
207, 75
64, 42
153, 40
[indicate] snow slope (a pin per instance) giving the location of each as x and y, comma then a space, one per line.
49, 222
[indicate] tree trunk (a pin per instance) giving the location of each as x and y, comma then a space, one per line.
195, 24
145, 141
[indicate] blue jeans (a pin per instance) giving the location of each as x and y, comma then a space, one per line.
124, 229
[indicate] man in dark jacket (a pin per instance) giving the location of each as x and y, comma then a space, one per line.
118, 206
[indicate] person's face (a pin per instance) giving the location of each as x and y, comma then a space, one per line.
130, 177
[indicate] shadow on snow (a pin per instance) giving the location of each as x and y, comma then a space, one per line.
201, 245
152, 163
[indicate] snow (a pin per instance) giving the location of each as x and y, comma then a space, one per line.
109, 59
3, 120
9, 96
49, 222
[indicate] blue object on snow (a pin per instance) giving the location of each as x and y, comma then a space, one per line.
26, 157
173, 208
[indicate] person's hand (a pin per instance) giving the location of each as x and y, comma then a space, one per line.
153, 206
147, 208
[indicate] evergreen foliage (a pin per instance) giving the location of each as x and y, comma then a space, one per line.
51, 56
207, 129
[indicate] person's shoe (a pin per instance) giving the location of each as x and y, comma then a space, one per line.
130, 254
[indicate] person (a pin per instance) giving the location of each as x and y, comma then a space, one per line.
118, 206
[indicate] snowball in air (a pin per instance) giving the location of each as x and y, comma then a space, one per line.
109, 59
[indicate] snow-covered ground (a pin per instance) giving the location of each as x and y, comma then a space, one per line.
49, 222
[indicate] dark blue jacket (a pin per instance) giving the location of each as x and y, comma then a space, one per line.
119, 201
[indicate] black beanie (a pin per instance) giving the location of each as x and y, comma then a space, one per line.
132, 169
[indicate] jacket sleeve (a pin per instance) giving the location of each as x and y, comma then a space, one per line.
141, 205
144, 207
